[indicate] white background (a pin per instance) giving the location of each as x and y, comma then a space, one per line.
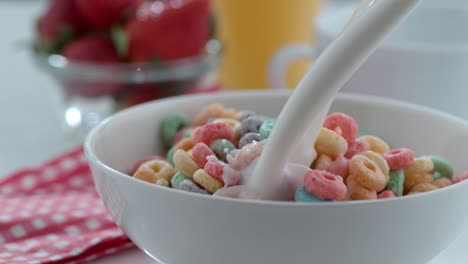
29, 130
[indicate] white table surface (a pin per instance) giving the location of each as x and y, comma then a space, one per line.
29, 131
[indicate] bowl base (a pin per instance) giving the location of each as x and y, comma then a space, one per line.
80, 115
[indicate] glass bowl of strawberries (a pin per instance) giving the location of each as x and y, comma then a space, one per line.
111, 54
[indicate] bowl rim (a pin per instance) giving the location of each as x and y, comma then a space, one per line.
356, 98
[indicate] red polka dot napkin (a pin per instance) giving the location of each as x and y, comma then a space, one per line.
52, 214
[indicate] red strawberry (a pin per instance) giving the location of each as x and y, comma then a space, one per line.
59, 24
101, 14
91, 49
168, 30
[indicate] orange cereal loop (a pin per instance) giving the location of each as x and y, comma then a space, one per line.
185, 144
376, 144
323, 162
367, 173
347, 197
330, 143
442, 182
145, 173
423, 187
162, 182
412, 180
213, 111
184, 163
152, 171
359, 192
420, 165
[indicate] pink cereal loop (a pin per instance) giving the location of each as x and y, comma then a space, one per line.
340, 167
399, 158
215, 169
461, 178
386, 194
325, 185
356, 147
200, 152
212, 132
343, 125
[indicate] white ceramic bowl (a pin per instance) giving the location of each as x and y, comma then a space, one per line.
178, 227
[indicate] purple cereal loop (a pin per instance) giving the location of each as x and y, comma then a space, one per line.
250, 124
248, 138
190, 186
246, 114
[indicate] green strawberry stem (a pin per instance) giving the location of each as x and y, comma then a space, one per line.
120, 40
55, 46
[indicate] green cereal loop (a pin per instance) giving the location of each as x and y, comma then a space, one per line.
436, 176
170, 156
171, 125
396, 182
302, 195
177, 179
221, 148
266, 128
442, 166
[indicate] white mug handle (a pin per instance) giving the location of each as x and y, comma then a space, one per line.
283, 58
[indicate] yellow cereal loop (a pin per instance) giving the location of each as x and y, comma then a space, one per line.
376, 144
184, 163
162, 168
205, 180
236, 125
423, 187
153, 170
162, 182
381, 162
420, 165
330, 143
323, 162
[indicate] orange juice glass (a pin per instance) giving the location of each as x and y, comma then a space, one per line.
254, 30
